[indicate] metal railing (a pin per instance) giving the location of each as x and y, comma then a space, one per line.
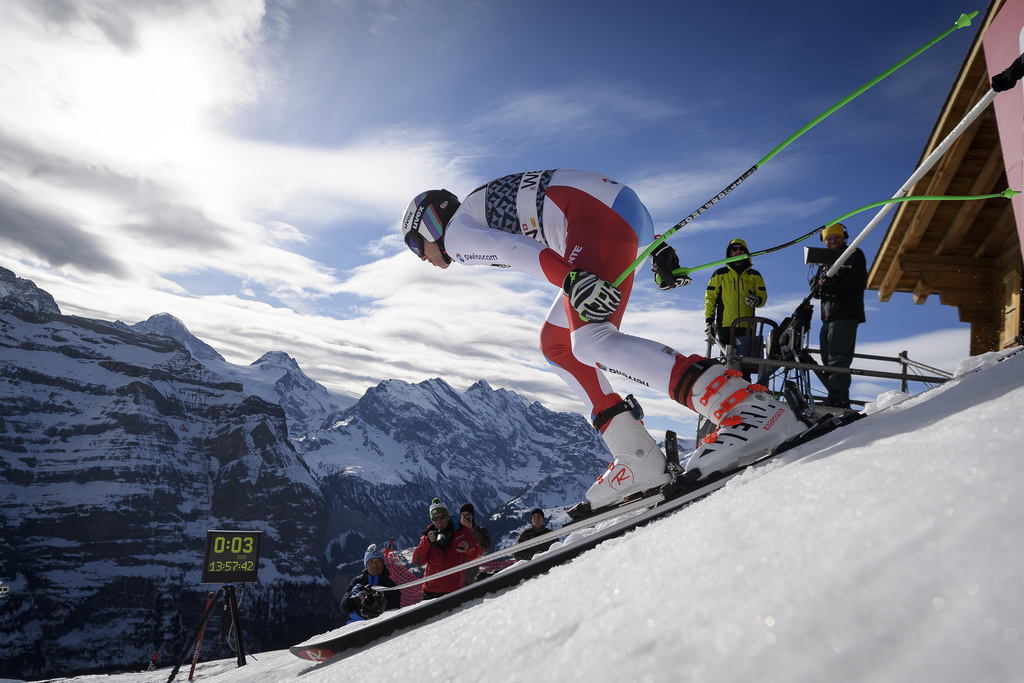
800, 352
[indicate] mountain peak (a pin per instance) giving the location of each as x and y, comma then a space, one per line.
276, 359
167, 325
17, 293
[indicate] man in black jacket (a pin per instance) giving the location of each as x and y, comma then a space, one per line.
842, 309
536, 528
360, 601
467, 514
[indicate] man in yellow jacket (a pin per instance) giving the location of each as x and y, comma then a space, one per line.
734, 291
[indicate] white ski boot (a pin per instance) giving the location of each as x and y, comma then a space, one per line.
750, 423
639, 464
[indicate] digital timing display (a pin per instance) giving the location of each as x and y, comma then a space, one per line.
231, 557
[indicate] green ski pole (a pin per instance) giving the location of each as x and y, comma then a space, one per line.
964, 20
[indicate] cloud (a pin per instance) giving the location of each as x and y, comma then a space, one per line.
49, 237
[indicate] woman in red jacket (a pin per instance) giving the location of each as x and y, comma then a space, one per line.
444, 544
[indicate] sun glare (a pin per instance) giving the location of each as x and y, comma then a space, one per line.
143, 107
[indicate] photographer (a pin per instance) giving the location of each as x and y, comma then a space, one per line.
842, 310
360, 601
444, 544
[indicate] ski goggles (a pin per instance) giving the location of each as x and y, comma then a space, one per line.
414, 241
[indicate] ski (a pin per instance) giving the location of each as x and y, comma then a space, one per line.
630, 516
605, 514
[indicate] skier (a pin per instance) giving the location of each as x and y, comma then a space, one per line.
579, 230
362, 603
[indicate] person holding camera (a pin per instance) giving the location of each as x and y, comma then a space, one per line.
842, 310
467, 515
362, 602
443, 545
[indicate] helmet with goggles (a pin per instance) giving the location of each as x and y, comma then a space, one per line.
426, 219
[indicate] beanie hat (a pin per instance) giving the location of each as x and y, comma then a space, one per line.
837, 229
373, 552
536, 511
467, 507
437, 506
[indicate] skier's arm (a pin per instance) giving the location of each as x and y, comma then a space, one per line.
472, 244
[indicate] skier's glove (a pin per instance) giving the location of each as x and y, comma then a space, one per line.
753, 300
593, 298
709, 327
664, 260
373, 605
1010, 75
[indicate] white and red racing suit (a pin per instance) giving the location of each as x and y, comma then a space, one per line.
546, 223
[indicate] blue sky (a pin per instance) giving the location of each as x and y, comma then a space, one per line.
243, 165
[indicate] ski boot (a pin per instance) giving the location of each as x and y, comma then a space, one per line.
750, 423
639, 464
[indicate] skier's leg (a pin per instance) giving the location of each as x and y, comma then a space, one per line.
638, 464
750, 423
588, 383
602, 241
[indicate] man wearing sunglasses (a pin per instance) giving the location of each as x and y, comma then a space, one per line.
734, 291
579, 231
443, 545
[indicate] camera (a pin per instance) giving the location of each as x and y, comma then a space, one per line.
442, 540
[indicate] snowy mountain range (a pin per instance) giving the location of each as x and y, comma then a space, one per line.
121, 445
886, 551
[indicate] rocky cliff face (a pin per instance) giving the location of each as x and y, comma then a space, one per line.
382, 461
118, 450
120, 446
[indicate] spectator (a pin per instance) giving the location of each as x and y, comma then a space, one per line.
443, 545
360, 601
734, 291
842, 309
467, 515
535, 529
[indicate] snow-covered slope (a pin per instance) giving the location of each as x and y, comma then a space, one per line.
889, 551
121, 445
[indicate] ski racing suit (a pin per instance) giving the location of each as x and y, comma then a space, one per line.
547, 223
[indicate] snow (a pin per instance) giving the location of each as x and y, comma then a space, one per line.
885, 552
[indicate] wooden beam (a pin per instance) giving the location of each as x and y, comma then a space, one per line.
922, 292
945, 264
1001, 236
984, 183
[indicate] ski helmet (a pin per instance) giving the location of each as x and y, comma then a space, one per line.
835, 229
426, 219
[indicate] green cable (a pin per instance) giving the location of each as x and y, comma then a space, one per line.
1007, 193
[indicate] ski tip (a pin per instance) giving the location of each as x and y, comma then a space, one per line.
313, 654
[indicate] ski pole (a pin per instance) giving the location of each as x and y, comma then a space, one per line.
1007, 193
964, 20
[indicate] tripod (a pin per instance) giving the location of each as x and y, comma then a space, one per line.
231, 604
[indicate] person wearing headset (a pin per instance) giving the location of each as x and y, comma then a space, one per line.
842, 310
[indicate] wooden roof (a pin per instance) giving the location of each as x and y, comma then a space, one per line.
950, 248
